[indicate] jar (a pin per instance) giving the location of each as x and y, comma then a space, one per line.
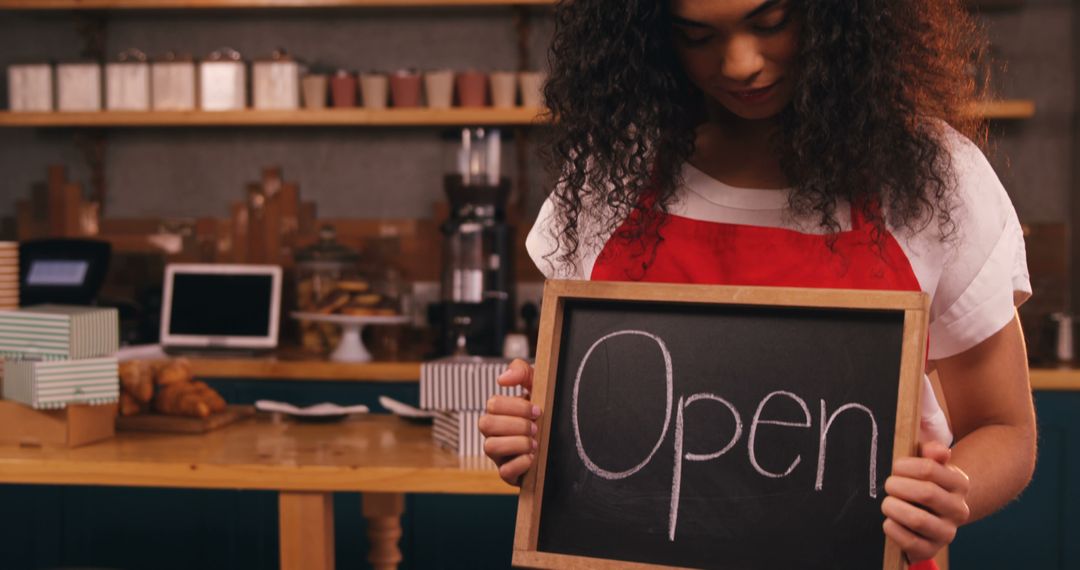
326, 274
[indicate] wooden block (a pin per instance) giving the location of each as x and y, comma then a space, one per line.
65, 207
239, 232
290, 217
183, 424
271, 181
89, 218
272, 228
308, 218
73, 207
131, 225
57, 176
256, 204
206, 239
73, 426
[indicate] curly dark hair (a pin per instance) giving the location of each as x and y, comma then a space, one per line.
877, 81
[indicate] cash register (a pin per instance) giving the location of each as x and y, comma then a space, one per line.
62, 271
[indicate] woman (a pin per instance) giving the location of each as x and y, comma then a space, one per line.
798, 143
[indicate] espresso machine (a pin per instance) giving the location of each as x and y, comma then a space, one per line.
477, 306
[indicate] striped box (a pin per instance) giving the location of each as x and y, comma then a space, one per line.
458, 432
59, 332
460, 384
45, 384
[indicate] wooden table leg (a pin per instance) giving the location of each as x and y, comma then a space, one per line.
383, 514
306, 530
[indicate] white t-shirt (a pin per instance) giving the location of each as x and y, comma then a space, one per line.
975, 278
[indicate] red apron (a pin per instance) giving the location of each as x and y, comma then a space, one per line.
695, 251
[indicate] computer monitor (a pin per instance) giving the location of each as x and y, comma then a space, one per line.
221, 306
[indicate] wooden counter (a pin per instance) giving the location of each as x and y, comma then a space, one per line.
375, 453
1055, 379
380, 456
277, 368
293, 368
294, 365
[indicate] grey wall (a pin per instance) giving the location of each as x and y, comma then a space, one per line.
1034, 157
369, 173
349, 172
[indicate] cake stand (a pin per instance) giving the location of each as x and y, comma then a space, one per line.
351, 347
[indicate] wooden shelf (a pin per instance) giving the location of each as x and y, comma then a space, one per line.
1011, 109
236, 4
1004, 109
252, 118
225, 4
985, 5
286, 368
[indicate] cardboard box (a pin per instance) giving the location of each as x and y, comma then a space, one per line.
59, 332
55, 384
460, 384
73, 426
459, 432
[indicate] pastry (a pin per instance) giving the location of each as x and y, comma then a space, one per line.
353, 286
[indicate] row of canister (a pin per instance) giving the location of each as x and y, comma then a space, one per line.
132, 83
219, 83
437, 89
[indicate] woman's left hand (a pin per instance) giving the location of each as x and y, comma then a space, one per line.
926, 502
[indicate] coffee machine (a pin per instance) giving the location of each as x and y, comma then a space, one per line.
477, 306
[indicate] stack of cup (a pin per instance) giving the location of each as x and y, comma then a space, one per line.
472, 88
439, 88
9, 275
532, 85
374, 89
405, 88
343, 89
314, 87
503, 89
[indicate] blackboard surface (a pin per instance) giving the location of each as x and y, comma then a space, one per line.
616, 487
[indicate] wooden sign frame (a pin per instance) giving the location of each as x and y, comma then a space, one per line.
915, 306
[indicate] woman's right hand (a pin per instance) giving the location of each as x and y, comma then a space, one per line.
509, 425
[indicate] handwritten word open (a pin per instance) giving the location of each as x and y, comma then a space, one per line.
757, 420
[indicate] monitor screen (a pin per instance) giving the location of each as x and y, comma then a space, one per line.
218, 304
57, 272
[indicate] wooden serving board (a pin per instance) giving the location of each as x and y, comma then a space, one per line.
183, 424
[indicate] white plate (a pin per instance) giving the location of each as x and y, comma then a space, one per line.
325, 410
404, 410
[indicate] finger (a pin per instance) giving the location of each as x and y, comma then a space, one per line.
950, 477
508, 447
512, 470
519, 373
510, 406
930, 496
936, 451
505, 425
918, 521
915, 547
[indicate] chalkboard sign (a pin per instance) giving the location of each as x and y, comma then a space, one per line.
695, 426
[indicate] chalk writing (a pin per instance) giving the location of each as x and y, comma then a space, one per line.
684, 402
